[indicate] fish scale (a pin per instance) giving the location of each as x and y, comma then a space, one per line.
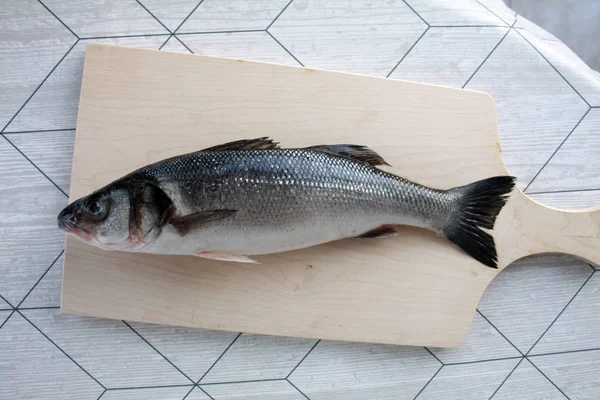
251, 197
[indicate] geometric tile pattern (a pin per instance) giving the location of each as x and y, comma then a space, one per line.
536, 331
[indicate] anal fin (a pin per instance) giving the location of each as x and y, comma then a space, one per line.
381, 232
225, 257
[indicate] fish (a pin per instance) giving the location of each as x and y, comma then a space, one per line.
250, 197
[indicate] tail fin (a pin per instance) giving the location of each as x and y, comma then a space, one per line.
478, 206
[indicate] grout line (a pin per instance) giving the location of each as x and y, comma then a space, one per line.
544, 375
562, 352
217, 32
188, 393
205, 392
559, 314
248, 381
219, 358
124, 36
59, 20
303, 358
283, 47
557, 149
416, 13
7, 309
151, 387
407, 52
183, 44
564, 191
40, 85
495, 15
41, 277
153, 16
488, 56
299, 391
38, 131
61, 350
468, 26
498, 330
434, 356
7, 318
553, 67
40, 308
507, 376
278, 15
165, 42
161, 354
32, 163
428, 382
101, 394
482, 361
7, 302
186, 18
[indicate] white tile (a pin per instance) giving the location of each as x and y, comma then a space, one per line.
536, 108
171, 13
4, 316
568, 200
166, 393
527, 296
4, 305
576, 374
197, 394
33, 368
29, 204
272, 390
452, 12
105, 18
54, 106
47, 291
527, 383
578, 327
353, 36
448, 56
254, 357
525, 24
576, 164
233, 15
468, 381
108, 350
257, 46
192, 350
32, 42
483, 343
499, 8
52, 152
175, 45
348, 371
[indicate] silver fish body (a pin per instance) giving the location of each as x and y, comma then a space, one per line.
260, 199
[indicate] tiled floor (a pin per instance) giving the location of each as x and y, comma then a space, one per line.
536, 334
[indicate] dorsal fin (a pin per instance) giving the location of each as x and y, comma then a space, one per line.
362, 153
246, 144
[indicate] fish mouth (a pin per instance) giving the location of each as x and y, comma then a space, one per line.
68, 223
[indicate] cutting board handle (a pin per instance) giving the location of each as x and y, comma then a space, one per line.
526, 227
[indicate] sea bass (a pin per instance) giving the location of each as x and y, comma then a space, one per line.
251, 197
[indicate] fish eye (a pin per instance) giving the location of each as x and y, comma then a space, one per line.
96, 208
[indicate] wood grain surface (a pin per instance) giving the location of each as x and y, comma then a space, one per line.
140, 106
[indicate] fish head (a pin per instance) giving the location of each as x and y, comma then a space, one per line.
125, 216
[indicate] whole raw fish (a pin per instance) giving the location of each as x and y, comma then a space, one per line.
251, 197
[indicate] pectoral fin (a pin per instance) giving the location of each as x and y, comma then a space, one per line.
186, 223
381, 232
225, 257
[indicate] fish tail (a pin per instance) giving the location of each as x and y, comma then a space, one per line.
478, 206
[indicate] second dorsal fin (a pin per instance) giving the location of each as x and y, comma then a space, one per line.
357, 152
246, 144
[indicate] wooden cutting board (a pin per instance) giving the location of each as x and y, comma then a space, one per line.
140, 106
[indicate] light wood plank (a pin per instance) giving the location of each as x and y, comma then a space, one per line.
414, 288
